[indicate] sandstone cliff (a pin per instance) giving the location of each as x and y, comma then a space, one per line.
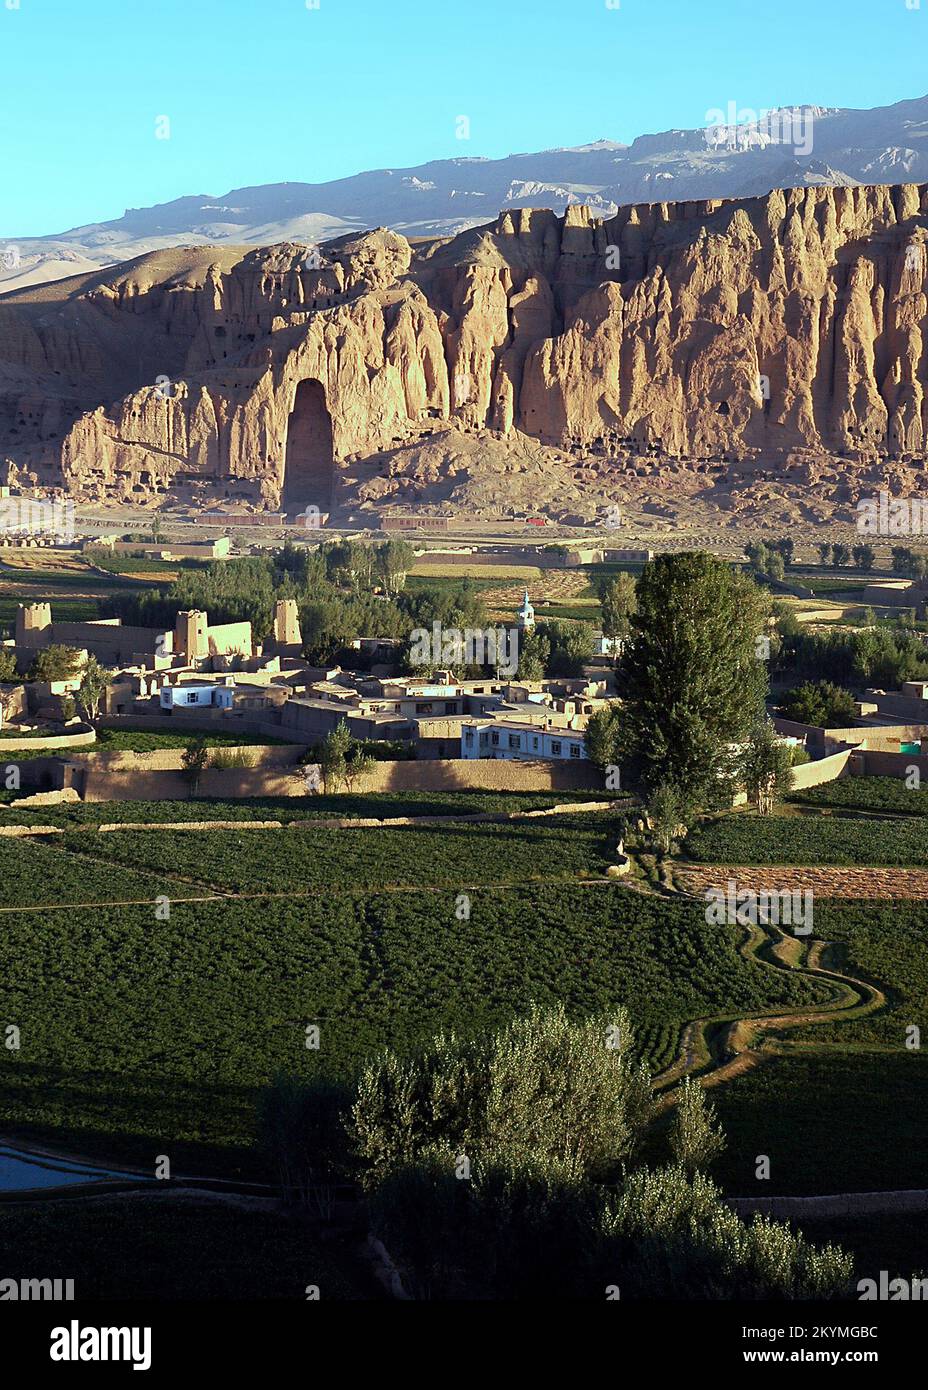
772, 332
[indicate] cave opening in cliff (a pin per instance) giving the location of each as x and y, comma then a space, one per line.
309, 470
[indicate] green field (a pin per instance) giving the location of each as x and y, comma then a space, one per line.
341, 805
807, 839
873, 794
298, 860
142, 1036
160, 1248
70, 610
139, 1033
135, 741
882, 942
830, 1123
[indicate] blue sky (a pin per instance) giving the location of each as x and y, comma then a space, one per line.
263, 91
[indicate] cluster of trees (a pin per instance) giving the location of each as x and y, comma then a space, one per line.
512, 1161
838, 555
349, 589
911, 564
339, 587
771, 557
555, 648
820, 703
873, 655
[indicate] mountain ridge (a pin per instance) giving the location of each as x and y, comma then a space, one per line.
840, 147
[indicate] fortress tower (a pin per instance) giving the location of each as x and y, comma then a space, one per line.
190, 637
287, 624
32, 617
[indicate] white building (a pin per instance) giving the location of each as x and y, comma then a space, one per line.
197, 696
513, 741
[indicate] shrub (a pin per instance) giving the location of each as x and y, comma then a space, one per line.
695, 1138
820, 704
223, 759
541, 1087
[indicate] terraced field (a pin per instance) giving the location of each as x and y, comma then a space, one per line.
869, 794
808, 839
377, 805
299, 860
135, 1028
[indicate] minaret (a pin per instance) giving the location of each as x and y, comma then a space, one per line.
526, 618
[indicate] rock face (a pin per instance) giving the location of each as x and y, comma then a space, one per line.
775, 331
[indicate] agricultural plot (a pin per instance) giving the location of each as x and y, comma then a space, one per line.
135, 741
874, 794
156, 1249
882, 942
138, 1032
828, 1123
807, 839
343, 806
34, 874
297, 860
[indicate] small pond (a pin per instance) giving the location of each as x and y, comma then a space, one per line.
21, 1170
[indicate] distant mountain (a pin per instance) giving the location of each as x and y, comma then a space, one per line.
734, 158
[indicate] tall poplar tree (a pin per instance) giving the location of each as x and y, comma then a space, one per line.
693, 678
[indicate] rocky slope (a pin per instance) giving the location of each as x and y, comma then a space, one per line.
766, 343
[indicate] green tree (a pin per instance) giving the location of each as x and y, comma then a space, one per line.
820, 704
824, 550
393, 561
194, 761
333, 756
602, 736
54, 663
758, 555
619, 604
840, 555
358, 764
691, 682
534, 655
765, 768
93, 686
904, 561
8, 671
695, 1137
864, 557
542, 1087
670, 814
571, 647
